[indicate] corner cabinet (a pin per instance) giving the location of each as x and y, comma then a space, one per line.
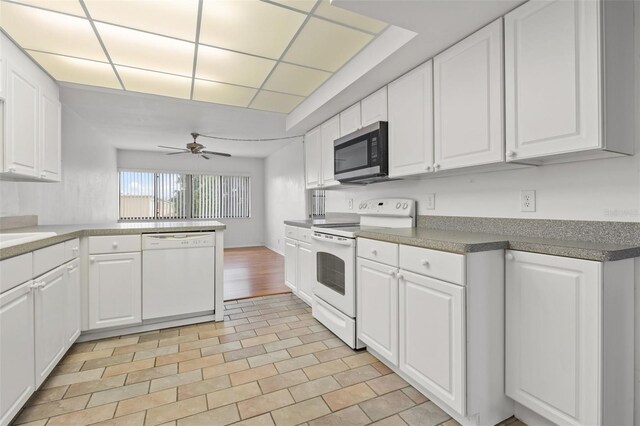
410, 101
567, 69
329, 132
569, 338
313, 158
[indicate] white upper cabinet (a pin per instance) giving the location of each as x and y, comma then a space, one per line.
350, 120
329, 132
411, 122
556, 93
50, 142
313, 158
468, 101
373, 108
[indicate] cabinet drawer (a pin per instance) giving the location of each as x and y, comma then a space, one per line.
437, 264
15, 270
379, 251
304, 235
47, 258
291, 232
71, 249
114, 244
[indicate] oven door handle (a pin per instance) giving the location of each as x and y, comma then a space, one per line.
347, 242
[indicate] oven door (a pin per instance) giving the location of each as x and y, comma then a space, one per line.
335, 259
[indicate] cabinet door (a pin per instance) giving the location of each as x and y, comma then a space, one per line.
72, 307
50, 302
468, 92
551, 78
306, 272
432, 337
553, 338
411, 122
50, 147
330, 131
16, 350
21, 146
313, 158
377, 308
115, 289
290, 264
350, 120
373, 108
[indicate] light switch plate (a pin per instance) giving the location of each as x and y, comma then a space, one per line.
350, 203
430, 202
528, 200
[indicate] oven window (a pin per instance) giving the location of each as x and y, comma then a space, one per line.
330, 272
351, 157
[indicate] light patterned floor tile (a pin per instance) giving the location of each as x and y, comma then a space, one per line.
84, 417
95, 386
199, 363
145, 402
352, 416
51, 409
71, 378
48, 395
386, 405
388, 383
177, 357
175, 380
135, 419
225, 368
427, 414
357, 375
118, 394
234, 394
203, 387
306, 349
252, 374
325, 369
263, 420
216, 417
314, 388
256, 361
115, 370
264, 403
176, 410
282, 381
296, 363
151, 373
345, 397
300, 412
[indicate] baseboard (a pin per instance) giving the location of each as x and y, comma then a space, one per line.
273, 249
244, 245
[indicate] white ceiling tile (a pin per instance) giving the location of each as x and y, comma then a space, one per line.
154, 82
143, 50
295, 79
231, 67
249, 26
326, 45
71, 7
303, 5
277, 102
209, 91
175, 18
80, 71
56, 32
326, 10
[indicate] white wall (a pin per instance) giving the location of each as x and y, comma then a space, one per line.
284, 192
88, 174
240, 232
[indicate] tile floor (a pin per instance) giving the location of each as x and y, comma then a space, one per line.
268, 363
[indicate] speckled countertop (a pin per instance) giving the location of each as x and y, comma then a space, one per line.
68, 232
308, 223
467, 242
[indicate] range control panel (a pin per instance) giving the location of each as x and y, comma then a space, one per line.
387, 207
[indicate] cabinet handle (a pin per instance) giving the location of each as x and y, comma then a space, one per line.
43, 175
509, 256
400, 277
393, 273
114, 245
74, 250
511, 154
374, 252
92, 259
12, 169
428, 168
436, 166
424, 262
70, 267
34, 286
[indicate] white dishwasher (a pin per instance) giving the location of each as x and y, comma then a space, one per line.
178, 274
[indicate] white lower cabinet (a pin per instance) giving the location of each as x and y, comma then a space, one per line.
299, 263
291, 264
432, 336
569, 338
16, 350
50, 304
305, 272
73, 311
377, 308
115, 290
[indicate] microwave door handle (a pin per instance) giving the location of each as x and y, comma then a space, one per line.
342, 243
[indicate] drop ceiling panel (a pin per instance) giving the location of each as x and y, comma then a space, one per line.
254, 27
295, 79
209, 91
143, 50
325, 45
343, 16
56, 32
175, 18
231, 67
302, 5
80, 71
155, 83
71, 7
278, 102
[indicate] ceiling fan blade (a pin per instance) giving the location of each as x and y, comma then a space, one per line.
223, 154
204, 156
170, 147
181, 152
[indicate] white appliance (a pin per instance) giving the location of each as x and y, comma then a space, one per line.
178, 273
334, 250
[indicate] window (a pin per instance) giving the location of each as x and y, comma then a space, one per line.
162, 195
317, 202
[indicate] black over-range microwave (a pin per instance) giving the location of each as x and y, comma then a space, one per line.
362, 156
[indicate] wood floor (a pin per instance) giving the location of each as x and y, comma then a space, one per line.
253, 272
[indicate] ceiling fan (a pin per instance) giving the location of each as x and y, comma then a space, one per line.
195, 148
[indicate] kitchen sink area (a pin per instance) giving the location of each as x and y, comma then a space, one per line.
14, 238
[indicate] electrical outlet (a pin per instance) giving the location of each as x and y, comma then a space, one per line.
430, 202
350, 203
528, 200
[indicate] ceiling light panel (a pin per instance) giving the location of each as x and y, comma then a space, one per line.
326, 10
56, 32
156, 83
143, 50
302, 5
295, 79
325, 45
174, 18
249, 26
80, 71
277, 102
209, 91
231, 67
71, 7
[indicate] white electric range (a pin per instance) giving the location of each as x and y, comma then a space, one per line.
335, 254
